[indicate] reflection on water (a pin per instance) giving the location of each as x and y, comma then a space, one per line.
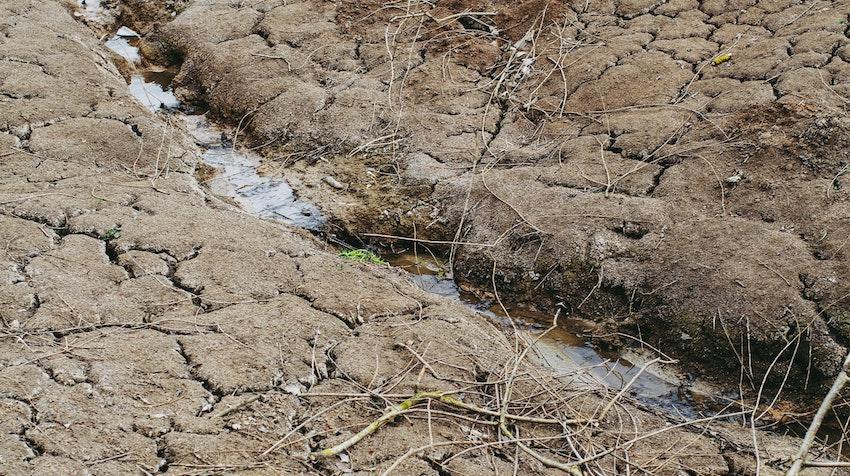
150, 86
125, 43
427, 272
122, 46
151, 94
237, 178
93, 11
565, 349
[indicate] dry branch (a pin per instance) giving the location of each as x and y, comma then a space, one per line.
840, 382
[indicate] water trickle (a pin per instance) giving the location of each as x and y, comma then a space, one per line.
93, 11
237, 178
565, 349
150, 86
122, 46
152, 95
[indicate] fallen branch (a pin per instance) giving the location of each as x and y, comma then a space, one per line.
419, 397
839, 383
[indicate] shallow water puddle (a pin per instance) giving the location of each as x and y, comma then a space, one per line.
237, 176
565, 348
125, 43
151, 86
151, 94
93, 11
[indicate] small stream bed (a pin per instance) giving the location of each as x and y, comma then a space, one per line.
567, 349
236, 176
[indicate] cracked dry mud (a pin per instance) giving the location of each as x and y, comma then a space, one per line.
595, 147
150, 327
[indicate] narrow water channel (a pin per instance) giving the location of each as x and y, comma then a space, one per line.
236, 176
93, 11
566, 350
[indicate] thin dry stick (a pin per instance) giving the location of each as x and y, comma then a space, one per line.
239, 126
719, 182
521, 216
433, 242
835, 179
625, 388
288, 65
839, 383
827, 464
295, 430
405, 406
371, 428
414, 451
571, 468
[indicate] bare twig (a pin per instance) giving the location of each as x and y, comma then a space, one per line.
839, 383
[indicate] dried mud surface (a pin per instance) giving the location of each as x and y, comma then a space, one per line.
596, 147
148, 327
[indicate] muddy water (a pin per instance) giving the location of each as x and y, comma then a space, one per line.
567, 348
238, 179
150, 86
237, 176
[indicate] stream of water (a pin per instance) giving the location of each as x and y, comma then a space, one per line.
236, 176
563, 349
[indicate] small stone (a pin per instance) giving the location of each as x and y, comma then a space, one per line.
334, 183
294, 388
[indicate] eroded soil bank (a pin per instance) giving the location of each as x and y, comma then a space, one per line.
672, 170
150, 327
